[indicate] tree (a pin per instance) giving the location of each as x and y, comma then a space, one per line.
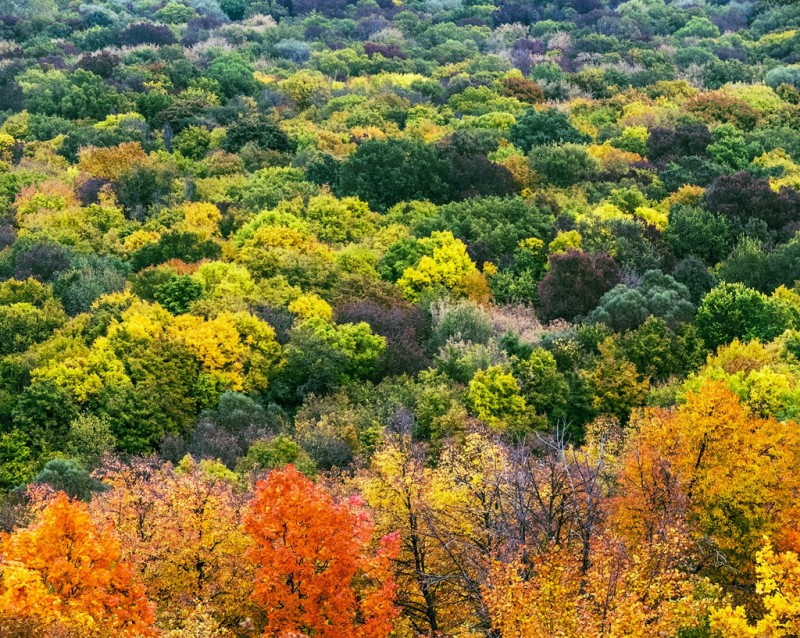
177, 294
732, 311
494, 397
257, 129
686, 140
16, 462
79, 94
385, 172
444, 264
631, 591
234, 74
741, 197
542, 385
564, 165
193, 142
575, 283
523, 89
89, 438
180, 530
146, 33
316, 572
320, 356
70, 477
779, 586
615, 384
677, 468
67, 572
658, 295
539, 128
397, 489
275, 454
492, 227
699, 233
23, 324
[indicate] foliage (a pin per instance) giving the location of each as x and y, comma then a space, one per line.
588, 277
316, 573
67, 573
522, 275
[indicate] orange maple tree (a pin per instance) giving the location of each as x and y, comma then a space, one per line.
65, 572
318, 572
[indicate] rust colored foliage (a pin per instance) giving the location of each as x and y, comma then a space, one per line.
65, 573
318, 573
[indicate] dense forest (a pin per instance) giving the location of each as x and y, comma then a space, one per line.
399, 318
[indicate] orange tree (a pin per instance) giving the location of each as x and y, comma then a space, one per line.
318, 574
65, 573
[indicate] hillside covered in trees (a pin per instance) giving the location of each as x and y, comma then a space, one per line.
399, 318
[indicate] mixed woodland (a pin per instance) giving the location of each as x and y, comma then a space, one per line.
399, 318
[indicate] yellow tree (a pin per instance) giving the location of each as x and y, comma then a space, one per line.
397, 488
450, 519
444, 263
779, 587
635, 592
729, 474
181, 529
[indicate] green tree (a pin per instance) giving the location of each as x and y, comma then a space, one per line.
694, 231
89, 438
614, 383
70, 477
494, 396
542, 385
275, 454
734, 311
16, 460
564, 165
385, 172
234, 74
539, 128
177, 294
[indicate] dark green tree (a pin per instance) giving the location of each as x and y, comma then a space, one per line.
385, 172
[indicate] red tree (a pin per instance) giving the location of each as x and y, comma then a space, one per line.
318, 574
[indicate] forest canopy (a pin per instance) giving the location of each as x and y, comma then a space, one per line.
409, 318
